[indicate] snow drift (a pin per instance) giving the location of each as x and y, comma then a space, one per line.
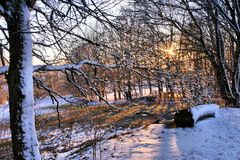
204, 110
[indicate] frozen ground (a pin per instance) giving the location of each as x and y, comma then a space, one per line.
213, 138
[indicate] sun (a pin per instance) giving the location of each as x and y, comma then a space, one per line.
171, 51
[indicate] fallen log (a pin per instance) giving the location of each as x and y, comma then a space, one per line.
184, 118
188, 117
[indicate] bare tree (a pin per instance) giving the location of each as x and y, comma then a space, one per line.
55, 24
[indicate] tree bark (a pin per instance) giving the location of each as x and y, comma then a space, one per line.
20, 82
150, 86
236, 74
224, 88
221, 72
129, 91
114, 93
140, 87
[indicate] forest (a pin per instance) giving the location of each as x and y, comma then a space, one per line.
119, 79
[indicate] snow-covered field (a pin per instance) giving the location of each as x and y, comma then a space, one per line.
213, 138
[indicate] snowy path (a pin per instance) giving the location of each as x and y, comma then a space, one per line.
214, 138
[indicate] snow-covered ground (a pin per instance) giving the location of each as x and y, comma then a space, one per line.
213, 138
41, 107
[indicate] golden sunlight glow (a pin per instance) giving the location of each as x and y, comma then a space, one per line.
171, 51
168, 50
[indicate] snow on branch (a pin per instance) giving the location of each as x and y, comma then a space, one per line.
38, 68
70, 66
74, 68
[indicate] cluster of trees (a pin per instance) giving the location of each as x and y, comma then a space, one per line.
207, 28
147, 54
205, 40
186, 48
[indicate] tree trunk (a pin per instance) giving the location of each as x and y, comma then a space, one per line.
150, 86
99, 92
119, 88
129, 91
236, 74
20, 82
119, 91
220, 68
140, 87
114, 93
160, 89
160, 84
224, 87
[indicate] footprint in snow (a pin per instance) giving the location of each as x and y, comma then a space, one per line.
221, 153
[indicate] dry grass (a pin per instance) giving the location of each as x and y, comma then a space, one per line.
104, 115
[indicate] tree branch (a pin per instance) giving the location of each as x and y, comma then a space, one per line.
39, 68
1, 10
224, 15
